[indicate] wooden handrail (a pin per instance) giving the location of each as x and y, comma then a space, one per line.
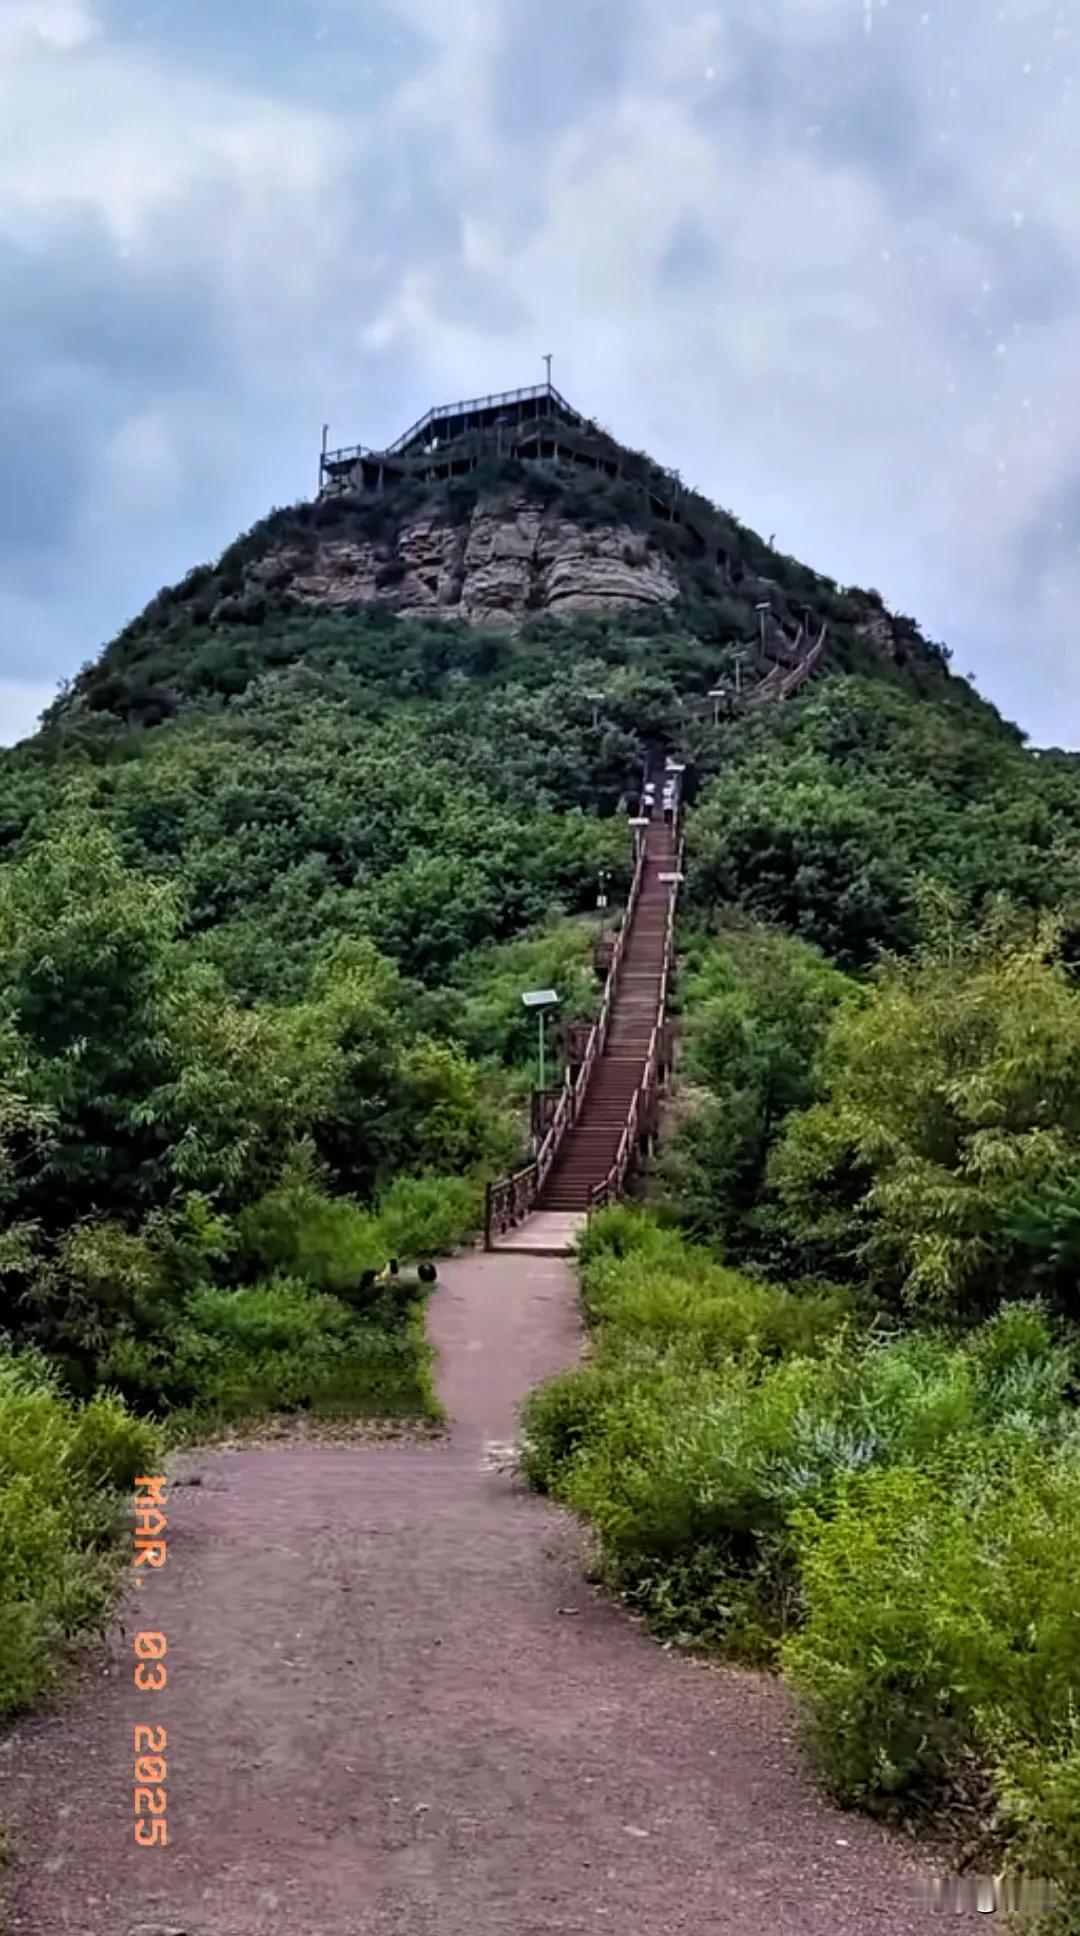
802, 671
512, 1197
611, 1187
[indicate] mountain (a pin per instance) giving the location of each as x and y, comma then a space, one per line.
274, 877
518, 511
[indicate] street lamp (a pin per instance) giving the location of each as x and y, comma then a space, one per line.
540, 1000
596, 700
716, 694
740, 660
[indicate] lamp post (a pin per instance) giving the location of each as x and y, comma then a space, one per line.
540, 1000
764, 605
740, 661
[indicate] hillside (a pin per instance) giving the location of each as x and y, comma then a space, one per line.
502, 548
274, 876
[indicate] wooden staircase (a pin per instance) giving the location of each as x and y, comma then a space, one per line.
606, 1113
589, 1152
608, 1109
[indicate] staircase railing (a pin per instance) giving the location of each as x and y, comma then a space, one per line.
643, 1100
781, 684
804, 669
509, 1200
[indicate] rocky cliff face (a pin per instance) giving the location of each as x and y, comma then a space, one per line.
880, 632
509, 558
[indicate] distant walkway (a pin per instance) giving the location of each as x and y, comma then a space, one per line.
395, 1709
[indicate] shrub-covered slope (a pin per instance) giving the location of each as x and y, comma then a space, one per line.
404, 553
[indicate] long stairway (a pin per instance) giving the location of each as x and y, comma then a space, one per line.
590, 1146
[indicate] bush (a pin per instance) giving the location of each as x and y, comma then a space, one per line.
561, 1419
706, 1504
284, 1347
328, 1241
492, 1022
108, 1446
941, 1635
647, 1283
64, 1475
720, 1314
716, 1411
621, 1230
427, 1216
1039, 1795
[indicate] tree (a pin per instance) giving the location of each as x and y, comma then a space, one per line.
945, 1158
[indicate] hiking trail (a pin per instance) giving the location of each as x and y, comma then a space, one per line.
396, 1708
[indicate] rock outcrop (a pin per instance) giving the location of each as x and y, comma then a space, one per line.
510, 558
879, 632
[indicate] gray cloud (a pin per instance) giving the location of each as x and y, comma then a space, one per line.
830, 274
556, 62
89, 340
689, 262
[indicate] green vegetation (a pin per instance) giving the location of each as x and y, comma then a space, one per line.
889, 1514
829, 1418
66, 1474
272, 879
847, 818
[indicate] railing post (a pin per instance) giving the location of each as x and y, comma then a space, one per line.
488, 1193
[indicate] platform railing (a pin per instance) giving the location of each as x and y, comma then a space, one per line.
531, 394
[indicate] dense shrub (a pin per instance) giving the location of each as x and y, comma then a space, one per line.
887, 1513
944, 1160
758, 1005
941, 1640
282, 1347
491, 1020
941, 1611
644, 1279
327, 1241
718, 1314
427, 1216
65, 1478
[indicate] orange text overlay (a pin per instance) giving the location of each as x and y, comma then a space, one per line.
151, 1674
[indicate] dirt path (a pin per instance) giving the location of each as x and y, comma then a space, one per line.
394, 1709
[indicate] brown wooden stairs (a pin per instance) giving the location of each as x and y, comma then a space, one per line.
607, 1112
590, 1147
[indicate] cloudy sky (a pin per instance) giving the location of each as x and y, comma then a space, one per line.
821, 255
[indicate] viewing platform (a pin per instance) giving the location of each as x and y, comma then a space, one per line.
535, 425
475, 426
